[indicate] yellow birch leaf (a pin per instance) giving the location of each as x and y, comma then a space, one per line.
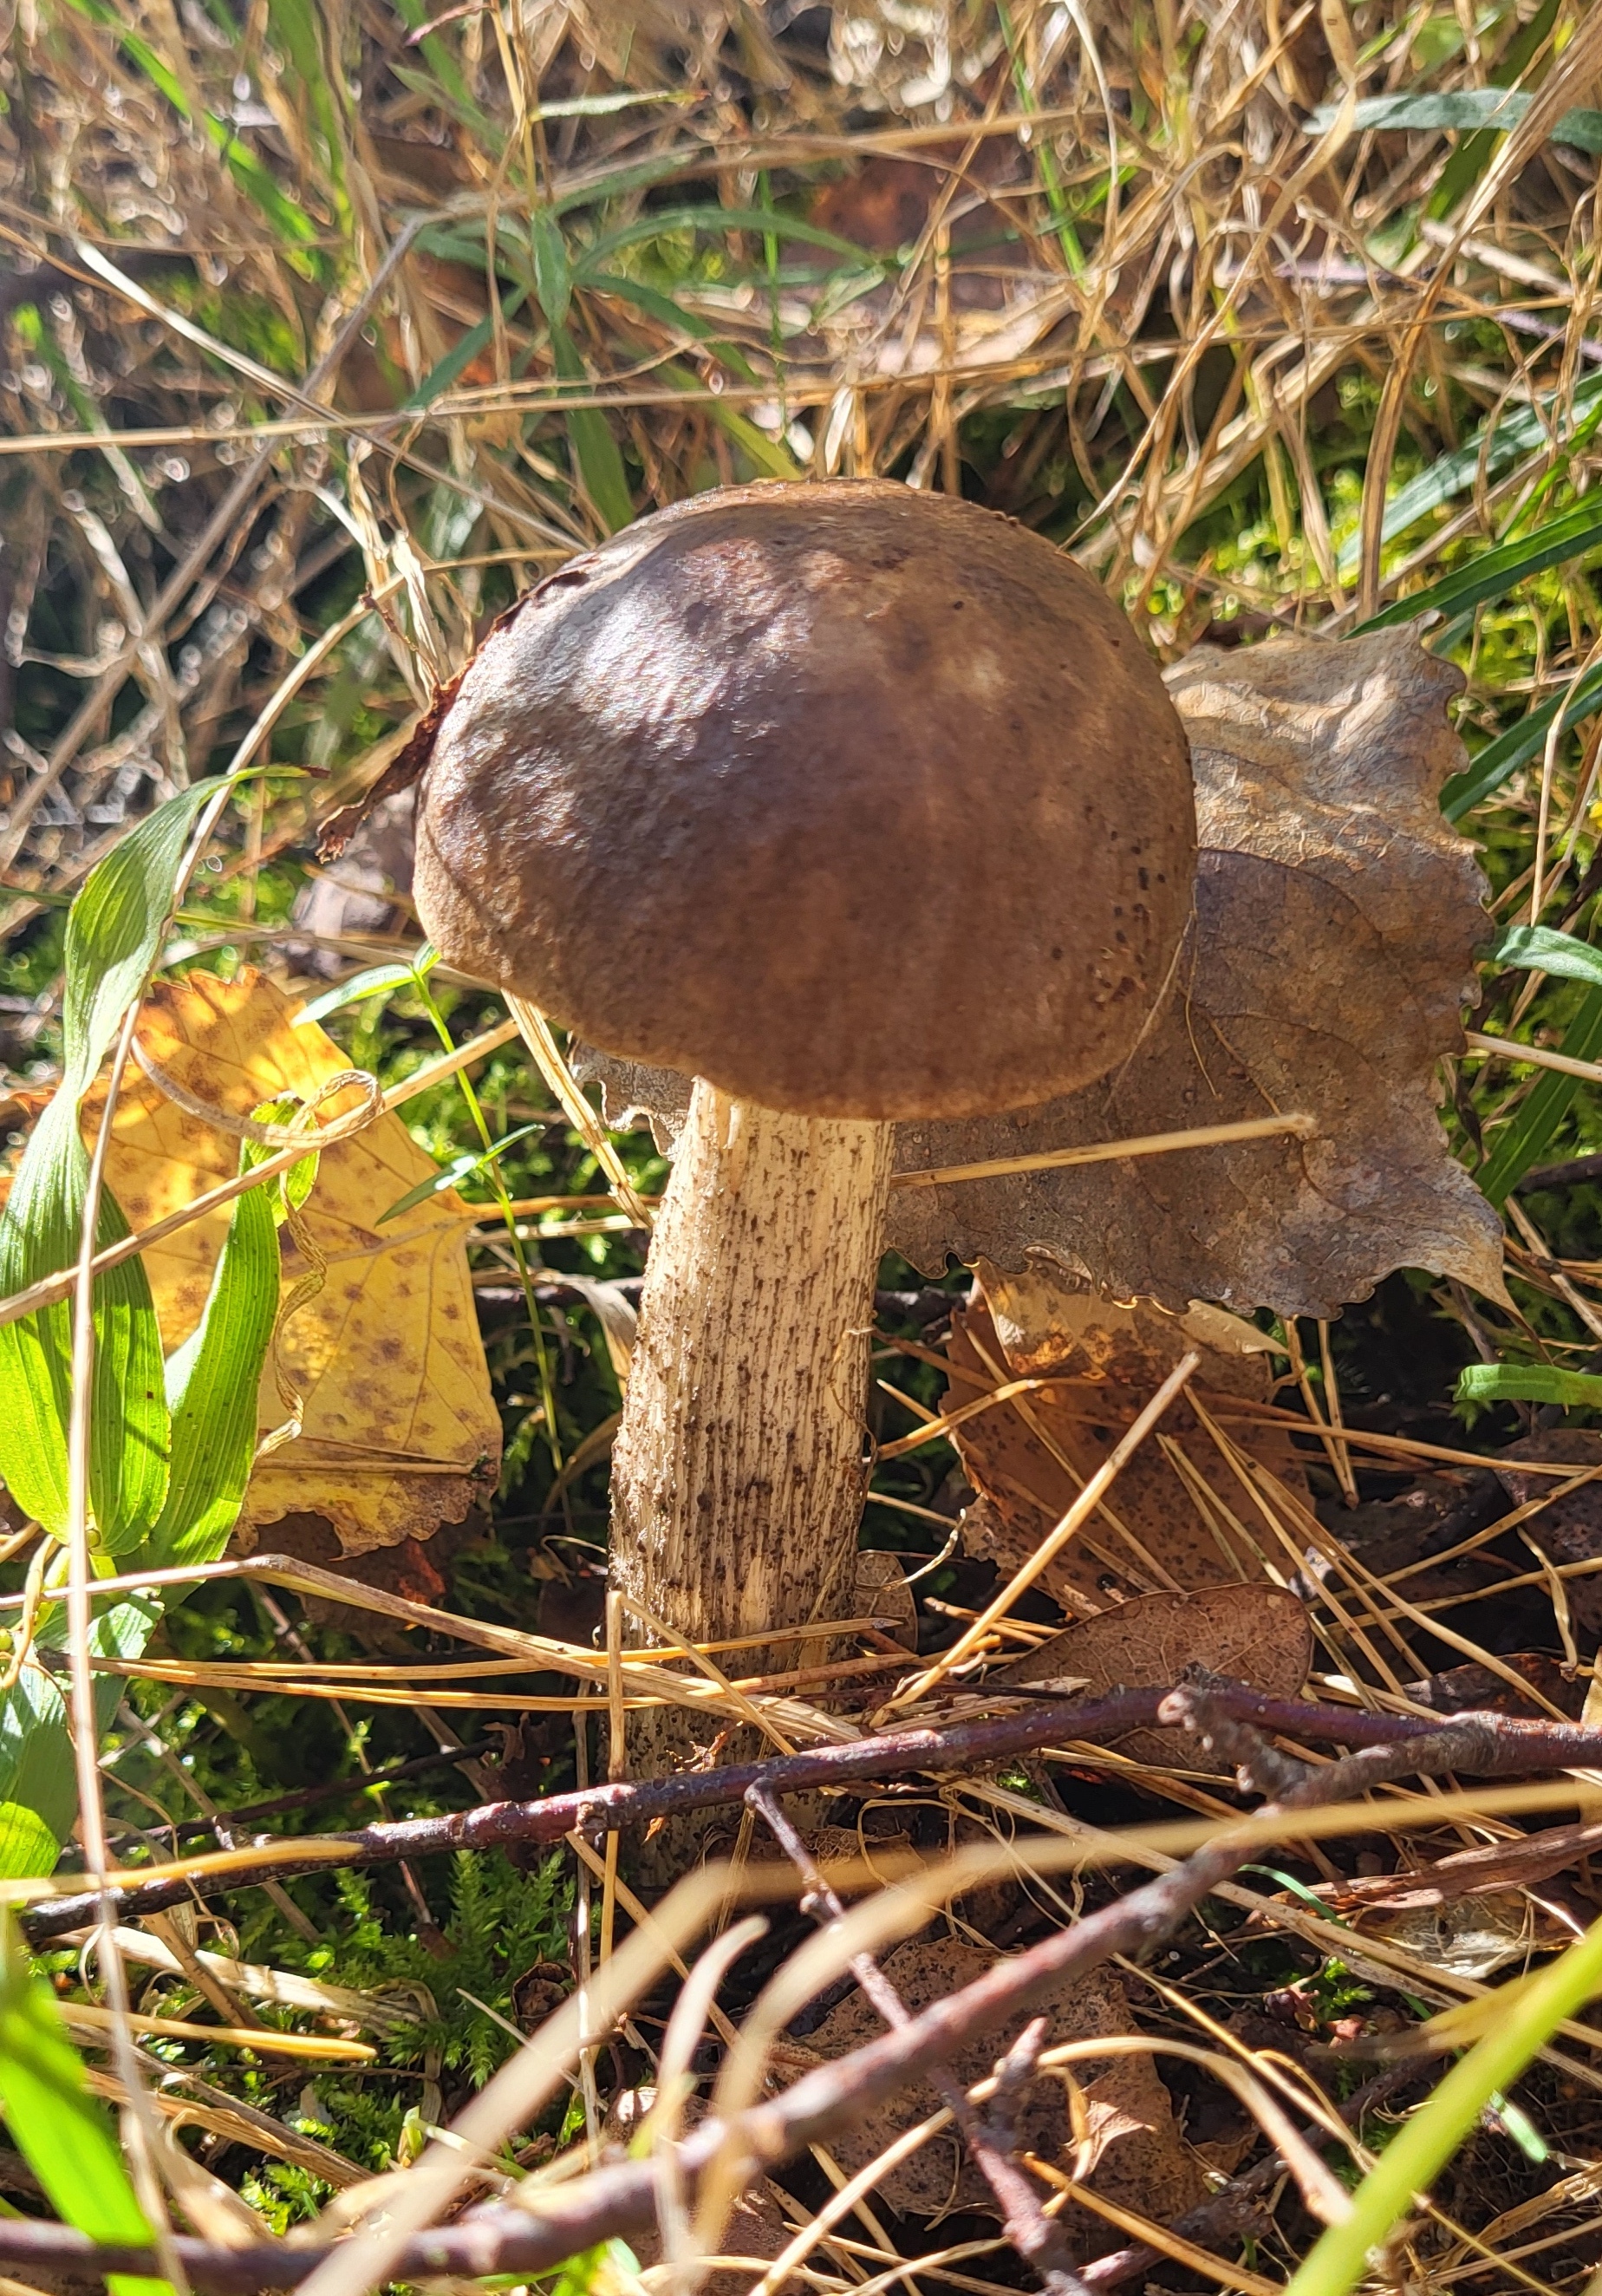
399, 1431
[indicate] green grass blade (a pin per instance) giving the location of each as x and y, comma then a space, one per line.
1420, 2149
1537, 948
1574, 1390
1520, 431
707, 217
456, 361
1495, 573
1474, 155
211, 1388
1525, 1139
553, 272
62, 2132
378, 980
667, 314
1487, 108
771, 459
1499, 759
595, 452
460, 1167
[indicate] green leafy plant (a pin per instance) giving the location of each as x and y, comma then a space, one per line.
171, 1441
61, 2130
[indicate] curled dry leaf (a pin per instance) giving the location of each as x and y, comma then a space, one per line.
399, 1433
1324, 973
1256, 1635
1327, 964
1178, 1515
1139, 2157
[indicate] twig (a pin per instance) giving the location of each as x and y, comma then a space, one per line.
1486, 1745
1039, 2239
621, 2201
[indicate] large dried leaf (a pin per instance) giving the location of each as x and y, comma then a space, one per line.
1331, 953
399, 1431
1324, 974
1257, 1635
1166, 1523
1140, 2160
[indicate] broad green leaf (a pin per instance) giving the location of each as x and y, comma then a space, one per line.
1575, 1390
1537, 948
35, 1749
39, 1232
27, 1845
590, 438
62, 2132
460, 1167
1499, 759
211, 1388
114, 933
1495, 108
113, 939
1526, 1138
1496, 572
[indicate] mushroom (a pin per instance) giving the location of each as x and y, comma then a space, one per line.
855, 804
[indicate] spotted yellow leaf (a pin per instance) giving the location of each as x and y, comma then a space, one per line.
382, 1364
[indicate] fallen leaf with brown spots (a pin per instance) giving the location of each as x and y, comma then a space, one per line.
1178, 1515
1138, 2157
399, 1433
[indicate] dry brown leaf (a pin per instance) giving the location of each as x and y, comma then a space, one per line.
1031, 1456
1141, 2160
1260, 1636
400, 1432
1331, 950
1567, 1530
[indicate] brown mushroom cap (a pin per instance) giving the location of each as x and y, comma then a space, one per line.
853, 801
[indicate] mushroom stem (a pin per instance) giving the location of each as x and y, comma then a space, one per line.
738, 1474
